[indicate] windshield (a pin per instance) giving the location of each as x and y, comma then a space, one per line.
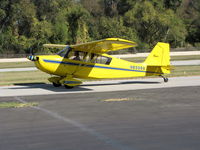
64, 51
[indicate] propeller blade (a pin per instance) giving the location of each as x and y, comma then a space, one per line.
31, 51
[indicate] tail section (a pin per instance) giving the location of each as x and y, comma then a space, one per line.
159, 58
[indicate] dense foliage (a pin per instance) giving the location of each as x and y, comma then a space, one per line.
27, 24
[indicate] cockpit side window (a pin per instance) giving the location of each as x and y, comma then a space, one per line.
84, 56
103, 60
77, 55
64, 52
95, 58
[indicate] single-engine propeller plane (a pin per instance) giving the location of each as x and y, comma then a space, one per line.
90, 61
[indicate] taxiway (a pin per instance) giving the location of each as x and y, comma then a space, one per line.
98, 86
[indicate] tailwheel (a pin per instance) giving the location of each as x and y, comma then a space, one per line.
68, 87
165, 78
56, 84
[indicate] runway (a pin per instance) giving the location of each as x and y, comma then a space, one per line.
147, 119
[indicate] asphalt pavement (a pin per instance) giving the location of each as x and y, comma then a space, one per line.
29, 89
147, 119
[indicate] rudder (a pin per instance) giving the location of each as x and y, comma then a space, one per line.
159, 56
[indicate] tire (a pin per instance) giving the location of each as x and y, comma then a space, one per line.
166, 79
56, 85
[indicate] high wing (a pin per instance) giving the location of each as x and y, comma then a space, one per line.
105, 45
100, 46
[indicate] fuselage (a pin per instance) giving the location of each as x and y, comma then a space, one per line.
116, 68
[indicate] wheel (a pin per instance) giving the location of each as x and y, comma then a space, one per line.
56, 84
68, 87
166, 79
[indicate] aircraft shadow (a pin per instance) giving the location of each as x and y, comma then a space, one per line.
49, 87
83, 87
118, 83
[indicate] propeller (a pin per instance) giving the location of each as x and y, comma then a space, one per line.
32, 57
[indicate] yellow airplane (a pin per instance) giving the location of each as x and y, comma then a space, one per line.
90, 61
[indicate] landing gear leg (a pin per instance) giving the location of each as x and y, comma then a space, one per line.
164, 78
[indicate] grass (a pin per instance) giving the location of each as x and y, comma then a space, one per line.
16, 104
185, 71
13, 78
16, 64
117, 99
189, 57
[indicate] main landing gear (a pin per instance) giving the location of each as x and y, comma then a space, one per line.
66, 86
68, 82
164, 78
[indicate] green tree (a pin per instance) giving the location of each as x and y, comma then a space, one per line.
17, 25
28, 24
94, 7
77, 18
190, 11
110, 7
113, 27
50, 9
40, 32
155, 24
172, 4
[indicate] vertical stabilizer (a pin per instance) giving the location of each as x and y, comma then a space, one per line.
159, 55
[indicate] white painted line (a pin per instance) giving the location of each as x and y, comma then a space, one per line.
115, 144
